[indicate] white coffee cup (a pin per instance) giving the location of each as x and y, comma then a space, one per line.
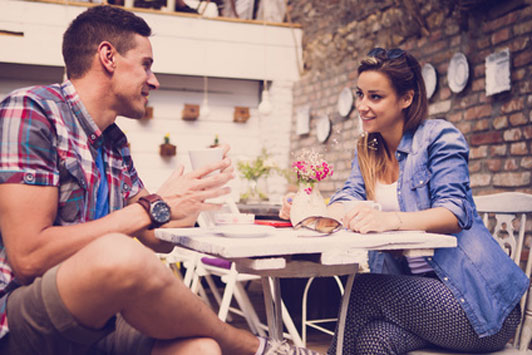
349, 205
202, 157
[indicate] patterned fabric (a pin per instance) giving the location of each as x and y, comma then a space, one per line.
49, 138
434, 172
395, 314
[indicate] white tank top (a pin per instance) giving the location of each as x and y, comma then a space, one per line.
386, 196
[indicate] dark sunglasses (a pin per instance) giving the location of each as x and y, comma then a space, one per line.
393, 53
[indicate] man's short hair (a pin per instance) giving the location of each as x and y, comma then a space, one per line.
97, 24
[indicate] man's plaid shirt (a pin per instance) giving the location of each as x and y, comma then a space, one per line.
48, 138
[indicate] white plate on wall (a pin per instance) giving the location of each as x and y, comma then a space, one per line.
323, 129
458, 72
430, 78
345, 102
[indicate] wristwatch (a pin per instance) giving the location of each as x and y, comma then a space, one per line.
157, 209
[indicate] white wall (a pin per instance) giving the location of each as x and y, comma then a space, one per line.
182, 45
145, 136
235, 56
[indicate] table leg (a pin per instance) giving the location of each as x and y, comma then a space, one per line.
272, 302
343, 314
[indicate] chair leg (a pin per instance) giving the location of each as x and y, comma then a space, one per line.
304, 311
290, 326
228, 295
526, 331
249, 311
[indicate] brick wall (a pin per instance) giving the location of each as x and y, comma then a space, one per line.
337, 34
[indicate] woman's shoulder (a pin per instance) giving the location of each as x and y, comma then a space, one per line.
437, 127
436, 130
434, 124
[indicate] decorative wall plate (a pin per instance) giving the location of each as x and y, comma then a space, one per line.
458, 72
430, 78
345, 102
323, 129
303, 120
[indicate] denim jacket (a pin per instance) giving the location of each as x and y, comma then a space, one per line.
433, 172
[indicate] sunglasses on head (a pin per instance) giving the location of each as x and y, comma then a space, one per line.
393, 53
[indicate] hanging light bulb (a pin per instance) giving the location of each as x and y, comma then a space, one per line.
265, 106
205, 111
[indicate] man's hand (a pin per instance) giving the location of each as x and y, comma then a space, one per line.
186, 194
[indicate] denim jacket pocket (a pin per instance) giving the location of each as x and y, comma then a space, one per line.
420, 186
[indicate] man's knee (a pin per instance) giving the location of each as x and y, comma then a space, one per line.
119, 260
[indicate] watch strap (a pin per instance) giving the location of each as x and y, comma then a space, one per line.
145, 202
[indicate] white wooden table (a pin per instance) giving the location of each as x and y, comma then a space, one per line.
271, 257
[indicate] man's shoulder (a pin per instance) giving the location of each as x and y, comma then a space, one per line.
51, 92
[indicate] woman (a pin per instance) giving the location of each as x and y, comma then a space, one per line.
462, 299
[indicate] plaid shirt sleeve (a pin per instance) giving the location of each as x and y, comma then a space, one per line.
26, 154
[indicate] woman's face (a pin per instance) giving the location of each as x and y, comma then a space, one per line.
380, 109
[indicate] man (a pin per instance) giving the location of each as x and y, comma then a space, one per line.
73, 279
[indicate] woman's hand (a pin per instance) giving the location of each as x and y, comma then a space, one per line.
365, 219
284, 213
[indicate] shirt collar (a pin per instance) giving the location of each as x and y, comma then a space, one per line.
112, 135
406, 143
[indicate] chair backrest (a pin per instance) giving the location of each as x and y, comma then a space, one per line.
505, 215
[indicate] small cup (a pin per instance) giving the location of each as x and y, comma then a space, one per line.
349, 205
201, 157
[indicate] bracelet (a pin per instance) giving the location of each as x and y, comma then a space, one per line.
400, 221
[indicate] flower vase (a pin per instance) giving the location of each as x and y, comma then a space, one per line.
254, 192
307, 202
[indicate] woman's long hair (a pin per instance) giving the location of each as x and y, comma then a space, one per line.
404, 73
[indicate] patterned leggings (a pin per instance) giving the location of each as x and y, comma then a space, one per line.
393, 314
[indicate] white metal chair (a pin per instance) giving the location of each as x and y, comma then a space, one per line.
505, 216
316, 323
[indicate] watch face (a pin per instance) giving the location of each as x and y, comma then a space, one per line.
160, 212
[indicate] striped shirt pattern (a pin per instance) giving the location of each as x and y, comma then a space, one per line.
48, 138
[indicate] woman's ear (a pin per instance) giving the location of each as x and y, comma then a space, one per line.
106, 55
406, 99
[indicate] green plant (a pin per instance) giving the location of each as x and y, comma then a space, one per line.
263, 165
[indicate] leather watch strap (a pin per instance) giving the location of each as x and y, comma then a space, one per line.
146, 202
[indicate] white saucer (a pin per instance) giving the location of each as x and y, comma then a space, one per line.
243, 231
458, 72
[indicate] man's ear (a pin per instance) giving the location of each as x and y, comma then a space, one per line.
406, 99
107, 56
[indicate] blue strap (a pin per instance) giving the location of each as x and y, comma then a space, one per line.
102, 200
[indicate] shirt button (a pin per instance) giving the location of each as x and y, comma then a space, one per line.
126, 187
429, 258
29, 177
445, 278
462, 299
93, 137
398, 192
420, 181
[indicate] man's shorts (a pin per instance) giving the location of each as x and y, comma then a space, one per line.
40, 323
